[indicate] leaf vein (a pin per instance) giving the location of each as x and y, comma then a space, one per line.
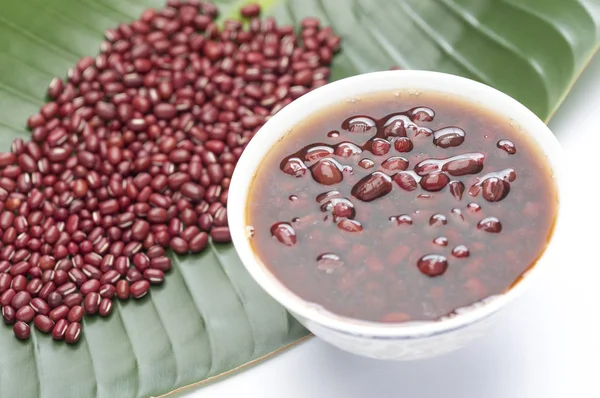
65, 51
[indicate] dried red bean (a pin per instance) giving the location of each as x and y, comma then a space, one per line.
75, 314
250, 10
128, 112
60, 329
91, 303
105, 307
39, 306
154, 276
9, 314
43, 323
457, 188
73, 299
21, 330
25, 314
20, 299
73, 333
139, 289
220, 234
54, 299
179, 245
19, 283
59, 312
107, 291
90, 286
34, 286
67, 289
508, 146
111, 277
123, 289
5, 281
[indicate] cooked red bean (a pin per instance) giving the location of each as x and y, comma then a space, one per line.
34, 286
372, 187
284, 233
460, 251
457, 188
403, 144
494, 189
133, 275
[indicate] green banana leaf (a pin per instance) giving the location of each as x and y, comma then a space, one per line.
209, 317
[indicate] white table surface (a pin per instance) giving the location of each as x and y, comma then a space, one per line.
546, 346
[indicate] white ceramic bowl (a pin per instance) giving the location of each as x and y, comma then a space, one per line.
378, 340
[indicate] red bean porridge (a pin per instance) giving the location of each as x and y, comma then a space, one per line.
400, 207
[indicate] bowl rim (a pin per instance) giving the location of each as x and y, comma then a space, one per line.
279, 126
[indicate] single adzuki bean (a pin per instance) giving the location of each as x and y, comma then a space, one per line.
60, 328
9, 315
73, 333
21, 330
43, 323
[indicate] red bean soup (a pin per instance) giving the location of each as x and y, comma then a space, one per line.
402, 207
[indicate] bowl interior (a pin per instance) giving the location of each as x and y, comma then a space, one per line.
351, 89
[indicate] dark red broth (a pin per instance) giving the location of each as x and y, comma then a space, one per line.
399, 207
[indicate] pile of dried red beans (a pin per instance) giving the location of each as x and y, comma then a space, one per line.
134, 154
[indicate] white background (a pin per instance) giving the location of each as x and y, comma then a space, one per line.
547, 345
